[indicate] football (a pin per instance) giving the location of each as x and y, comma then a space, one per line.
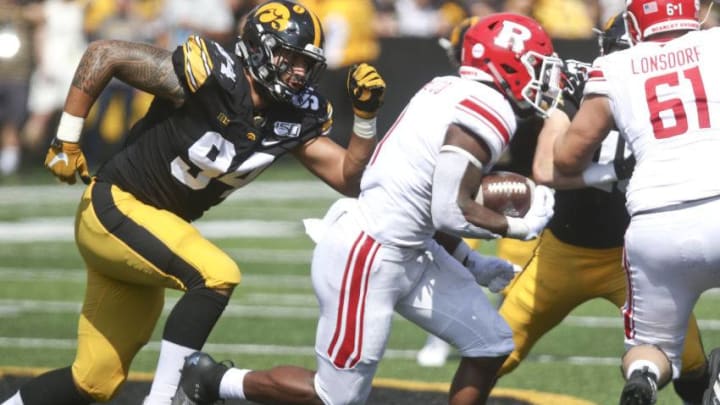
506, 193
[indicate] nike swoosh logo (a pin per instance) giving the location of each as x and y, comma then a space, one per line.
60, 157
267, 142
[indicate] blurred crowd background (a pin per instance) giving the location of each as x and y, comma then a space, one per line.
41, 42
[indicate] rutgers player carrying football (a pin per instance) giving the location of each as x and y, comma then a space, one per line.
659, 95
219, 119
397, 247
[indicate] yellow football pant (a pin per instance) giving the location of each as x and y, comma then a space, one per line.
559, 278
132, 252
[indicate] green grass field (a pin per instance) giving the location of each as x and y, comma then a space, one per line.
271, 317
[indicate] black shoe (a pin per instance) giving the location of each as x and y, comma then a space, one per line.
640, 388
711, 396
199, 380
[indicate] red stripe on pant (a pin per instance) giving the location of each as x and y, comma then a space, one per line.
351, 308
628, 310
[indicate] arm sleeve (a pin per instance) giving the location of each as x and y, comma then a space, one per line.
446, 214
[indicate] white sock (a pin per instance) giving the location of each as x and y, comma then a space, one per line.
9, 160
14, 400
167, 374
640, 364
231, 385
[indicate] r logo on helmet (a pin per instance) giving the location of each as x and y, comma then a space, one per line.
513, 36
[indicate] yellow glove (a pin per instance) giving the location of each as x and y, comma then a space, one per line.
64, 159
366, 89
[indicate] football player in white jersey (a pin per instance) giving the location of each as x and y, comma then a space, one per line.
398, 248
659, 95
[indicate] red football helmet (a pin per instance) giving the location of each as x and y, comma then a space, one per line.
515, 54
649, 17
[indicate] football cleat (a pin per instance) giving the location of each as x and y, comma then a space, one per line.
712, 393
199, 380
640, 388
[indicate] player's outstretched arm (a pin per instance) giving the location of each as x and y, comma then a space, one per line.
573, 150
341, 168
140, 65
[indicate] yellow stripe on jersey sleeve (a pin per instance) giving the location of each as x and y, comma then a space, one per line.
198, 65
327, 125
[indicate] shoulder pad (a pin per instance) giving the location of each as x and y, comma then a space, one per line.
198, 59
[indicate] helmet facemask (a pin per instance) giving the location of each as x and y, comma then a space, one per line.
542, 93
269, 66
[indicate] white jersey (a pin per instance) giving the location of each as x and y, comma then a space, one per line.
396, 188
666, 103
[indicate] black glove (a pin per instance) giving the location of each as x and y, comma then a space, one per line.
624, 167
574, 75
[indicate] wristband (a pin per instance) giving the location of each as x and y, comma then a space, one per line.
365, 128
597, 174
70, 128
517, 228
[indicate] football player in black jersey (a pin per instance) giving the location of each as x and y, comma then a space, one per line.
218, 119
579, 256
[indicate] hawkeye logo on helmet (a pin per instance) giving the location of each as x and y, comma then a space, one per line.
277, 15
513, 36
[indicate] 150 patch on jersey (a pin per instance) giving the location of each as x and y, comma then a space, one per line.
287, 129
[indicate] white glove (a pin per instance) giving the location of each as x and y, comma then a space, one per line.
537, 217
489, 271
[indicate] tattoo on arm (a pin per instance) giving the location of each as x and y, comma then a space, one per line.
142, 66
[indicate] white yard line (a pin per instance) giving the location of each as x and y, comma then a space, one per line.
301, 282
280, 350
258, 190
226, 348
60, 229
16, 308
293, 306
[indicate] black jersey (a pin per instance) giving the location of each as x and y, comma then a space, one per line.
588, 217
187, 159
593, 217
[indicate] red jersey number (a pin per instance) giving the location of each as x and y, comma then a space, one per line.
675, 104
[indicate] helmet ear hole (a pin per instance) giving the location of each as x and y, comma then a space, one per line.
508, 69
